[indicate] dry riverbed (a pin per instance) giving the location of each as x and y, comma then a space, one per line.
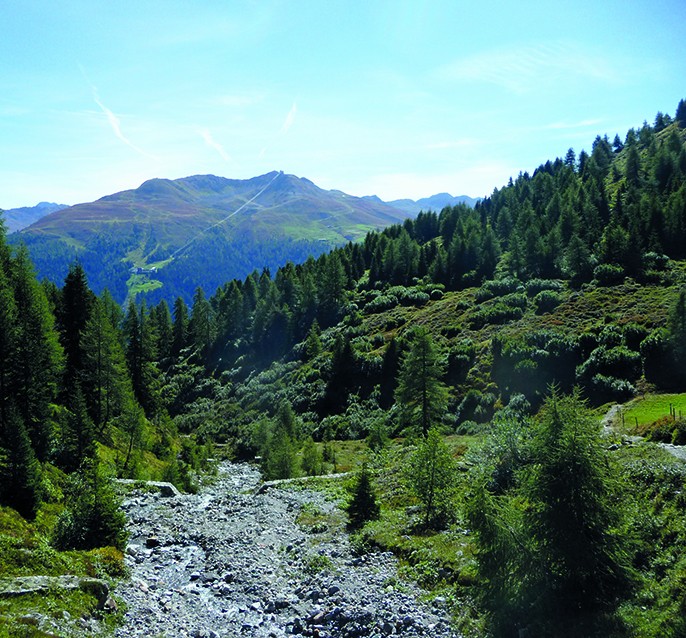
232, 562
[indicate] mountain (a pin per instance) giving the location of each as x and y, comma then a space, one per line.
436, 202
201, 230
18, 218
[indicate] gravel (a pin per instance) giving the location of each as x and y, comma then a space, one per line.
233, 562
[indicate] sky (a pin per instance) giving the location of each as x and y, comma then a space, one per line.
398, 98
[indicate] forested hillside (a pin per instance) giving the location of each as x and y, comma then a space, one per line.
565, 286
166, 237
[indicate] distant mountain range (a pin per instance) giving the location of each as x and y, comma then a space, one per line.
198, 231
18, 218
168, 237
436, 202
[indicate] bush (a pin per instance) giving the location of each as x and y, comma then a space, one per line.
666, 430
497, 288
534, 286
618, 362
546, 300
608, 274
92, 517
610, 388
499, 313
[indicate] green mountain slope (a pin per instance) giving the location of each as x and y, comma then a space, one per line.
198, 231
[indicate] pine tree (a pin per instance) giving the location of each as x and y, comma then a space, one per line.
73, 313
163, 330
201, 326
76, 441
141, 359
362, 505
549, 560
677, 334
39, 356
105, 377
19, 469
180, 327
421, 393
573, 515
8, 345
313, 344
681, 113
312, 461
92, 517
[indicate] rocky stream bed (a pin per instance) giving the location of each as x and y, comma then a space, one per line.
234, 560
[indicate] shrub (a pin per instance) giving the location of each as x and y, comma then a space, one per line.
608, 274
545, 301
610, 388
515, 300
655, 261
499, 313
92, 517
497, 288
534, 286
616, 362
378, 439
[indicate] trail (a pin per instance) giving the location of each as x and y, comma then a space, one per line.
608, 424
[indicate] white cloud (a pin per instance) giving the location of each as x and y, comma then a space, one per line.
290, 118
563, 126
115, 125
212, 143
522, 68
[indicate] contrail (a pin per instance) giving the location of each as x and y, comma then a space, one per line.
221, 221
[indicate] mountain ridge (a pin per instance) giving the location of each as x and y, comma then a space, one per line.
18, 218
236, 226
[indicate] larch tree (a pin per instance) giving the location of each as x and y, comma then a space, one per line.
421, 393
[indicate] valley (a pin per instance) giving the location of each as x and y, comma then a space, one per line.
453, 367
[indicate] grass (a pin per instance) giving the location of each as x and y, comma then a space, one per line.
25, 551
651, 407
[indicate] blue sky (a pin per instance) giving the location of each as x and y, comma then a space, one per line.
395, 98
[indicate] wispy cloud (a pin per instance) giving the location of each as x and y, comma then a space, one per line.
564, 126
290, 118
115, 125
522, 68
238, 100
452, 144
212, 143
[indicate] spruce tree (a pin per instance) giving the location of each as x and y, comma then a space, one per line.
39, 356
19, 469
73, 313
180, 327
105, 377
